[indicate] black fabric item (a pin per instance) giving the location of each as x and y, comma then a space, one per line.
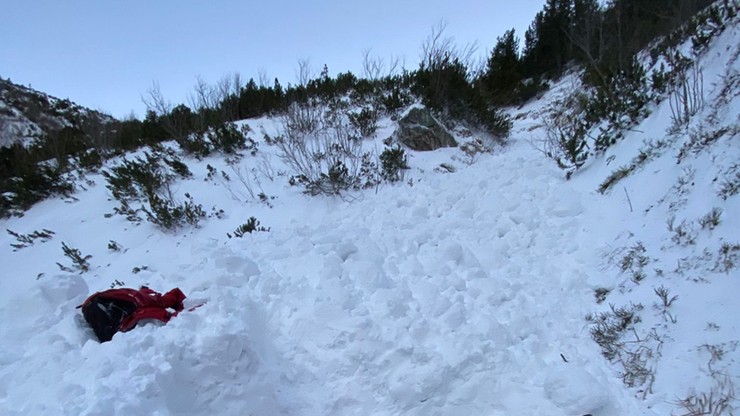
105, 315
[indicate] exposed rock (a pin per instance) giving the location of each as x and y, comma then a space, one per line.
27, 115
419, 130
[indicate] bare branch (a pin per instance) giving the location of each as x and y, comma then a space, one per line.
203, 95
155, 101
435, 46
304, 73
262, 79
372, 68
175, 123
393, 65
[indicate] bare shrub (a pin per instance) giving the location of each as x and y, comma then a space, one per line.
304, 72
727, 257
176, 120
683, 233
251, 186
702, 137
609, 327
439, 54
203, 101
636, 355
716, 402
634, 262
721, 397
217, 103
666, 301
648, 152
687, 96
375, 68
730, 186
712, 219
228, 89
473, 149
324, 155
302, 119
566, 134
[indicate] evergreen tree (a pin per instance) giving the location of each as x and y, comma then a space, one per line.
277, 97
530, 67
547, 48
503, 70
250, 102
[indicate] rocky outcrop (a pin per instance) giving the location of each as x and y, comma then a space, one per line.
27, 115
419, 130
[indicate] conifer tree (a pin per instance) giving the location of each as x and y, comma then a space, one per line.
503, 69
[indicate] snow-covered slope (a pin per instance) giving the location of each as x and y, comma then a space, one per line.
670, 237
445, 294
456, 294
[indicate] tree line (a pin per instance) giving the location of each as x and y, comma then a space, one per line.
603, 38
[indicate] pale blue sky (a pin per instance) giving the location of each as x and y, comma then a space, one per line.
105, 54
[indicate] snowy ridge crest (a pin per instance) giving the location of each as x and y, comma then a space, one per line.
26, 115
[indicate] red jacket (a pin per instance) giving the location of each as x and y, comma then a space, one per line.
149, 304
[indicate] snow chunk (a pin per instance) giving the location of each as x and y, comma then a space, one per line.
575, 391
565, 204
63, 288
238, 265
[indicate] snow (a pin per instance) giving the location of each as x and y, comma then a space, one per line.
442, 297
448, 293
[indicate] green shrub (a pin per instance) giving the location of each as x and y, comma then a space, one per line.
365, 122
529, 89
249, 227
393, 162
229, 138
114, 246
659, 80
27, 240
394, 100
195, 144
146, 180
341, 177
79, 262
168, 215
90, 160
24, 181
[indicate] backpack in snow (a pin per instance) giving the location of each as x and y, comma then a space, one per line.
115, 310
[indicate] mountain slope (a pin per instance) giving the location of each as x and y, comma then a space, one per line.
27, 115
447, 293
